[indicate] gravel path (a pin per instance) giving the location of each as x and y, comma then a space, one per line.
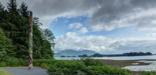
25, 71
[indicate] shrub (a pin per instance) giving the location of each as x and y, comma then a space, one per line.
148, 73
85, 67
91, 62
68, 68
12, 61
106, 70
44, 63
3, 64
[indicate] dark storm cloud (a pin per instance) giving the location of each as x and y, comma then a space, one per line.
56, 7
116, 9
107, 8
105, 13
110, 9
143, 3
101, 12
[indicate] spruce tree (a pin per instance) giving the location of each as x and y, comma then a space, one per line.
1, 7
1, 11
12, 7
24, 9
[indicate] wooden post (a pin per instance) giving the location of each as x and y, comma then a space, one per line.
30, 64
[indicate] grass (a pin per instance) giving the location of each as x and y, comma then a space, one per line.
2, 72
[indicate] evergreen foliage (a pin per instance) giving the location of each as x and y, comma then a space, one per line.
6, 47
14, 24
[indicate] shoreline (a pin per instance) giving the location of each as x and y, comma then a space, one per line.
123, 63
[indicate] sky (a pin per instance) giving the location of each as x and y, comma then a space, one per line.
104, 26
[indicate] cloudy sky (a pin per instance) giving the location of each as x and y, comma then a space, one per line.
105, 26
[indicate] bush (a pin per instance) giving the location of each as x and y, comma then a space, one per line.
68, 68
84, 67
148, 73
3, 64
12, 62
44, 63
91, 62
106, 70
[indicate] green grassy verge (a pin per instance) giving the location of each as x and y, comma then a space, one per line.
2, 72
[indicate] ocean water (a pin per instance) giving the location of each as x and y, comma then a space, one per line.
151, 57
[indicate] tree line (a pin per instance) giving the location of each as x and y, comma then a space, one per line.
14, 33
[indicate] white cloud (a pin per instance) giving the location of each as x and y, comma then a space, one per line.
153, 34
84, 30
75, 26
143, 45
102, 44
76, 41
78, 27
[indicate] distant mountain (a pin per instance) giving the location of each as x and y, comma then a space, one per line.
74, 53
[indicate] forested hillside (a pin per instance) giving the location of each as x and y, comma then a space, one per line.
14, 33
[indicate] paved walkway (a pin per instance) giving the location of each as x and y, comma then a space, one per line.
25, 71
